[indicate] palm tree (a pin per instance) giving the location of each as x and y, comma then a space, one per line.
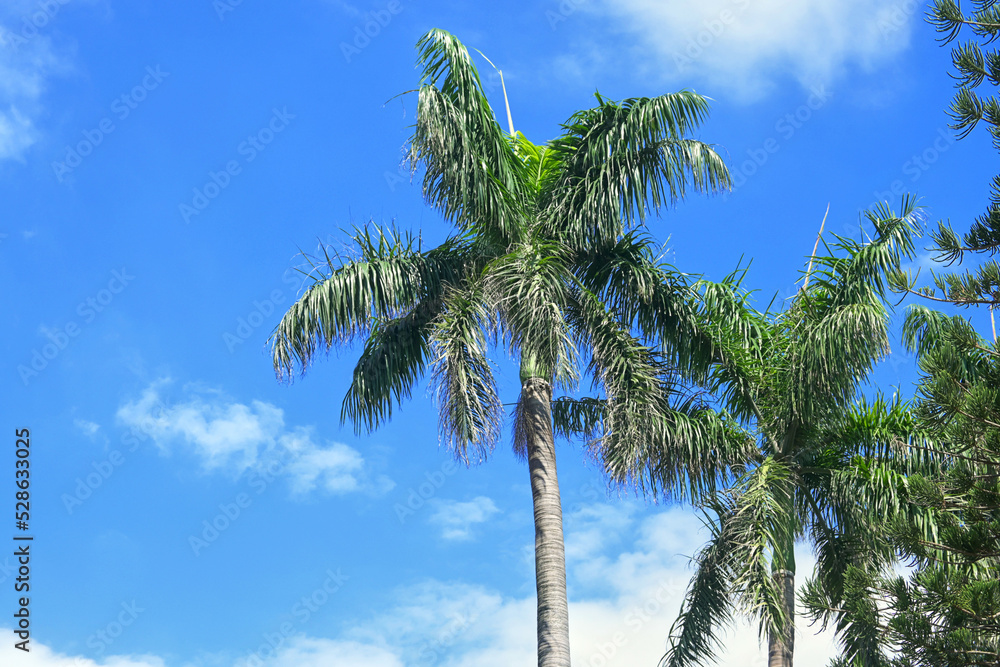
947, 611
541, 265
824, 466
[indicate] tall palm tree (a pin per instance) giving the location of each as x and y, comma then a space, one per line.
542, 265
823, 464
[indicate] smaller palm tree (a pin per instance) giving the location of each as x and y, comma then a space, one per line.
822, 466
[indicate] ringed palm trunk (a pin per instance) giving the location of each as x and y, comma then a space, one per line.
781, 645
550, 556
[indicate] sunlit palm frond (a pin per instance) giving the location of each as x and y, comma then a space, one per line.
472, 174
529, 289
623, 160
764, 528
829, 356
347, 298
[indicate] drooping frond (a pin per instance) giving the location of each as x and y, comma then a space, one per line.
926, 332
686, 452
675, 450
734, 568
644, 428
829, 356
528, 288
763, 526
471, 414
652, 297
472, 174
578, 417
708, 605
388, 279
394, 359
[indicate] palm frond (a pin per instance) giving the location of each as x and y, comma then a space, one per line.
390, 277
465, 389
708, 605
394, 359
764, 527
529, 289
623, 160
472, 174
838, 325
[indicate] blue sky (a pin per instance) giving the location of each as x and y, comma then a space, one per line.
161, 167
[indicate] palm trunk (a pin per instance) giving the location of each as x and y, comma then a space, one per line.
550, 556
781, 645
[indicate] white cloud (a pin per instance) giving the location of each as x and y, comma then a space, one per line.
308, 652
591, 529
456, 519
41, 655
17, 132
88, 428
29, 58
457, 624
235, 437
26, 64
637, 592
744, 46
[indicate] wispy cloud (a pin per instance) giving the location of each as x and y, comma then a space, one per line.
456, 519
23, 77
88, 428
232, 437
29, 58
